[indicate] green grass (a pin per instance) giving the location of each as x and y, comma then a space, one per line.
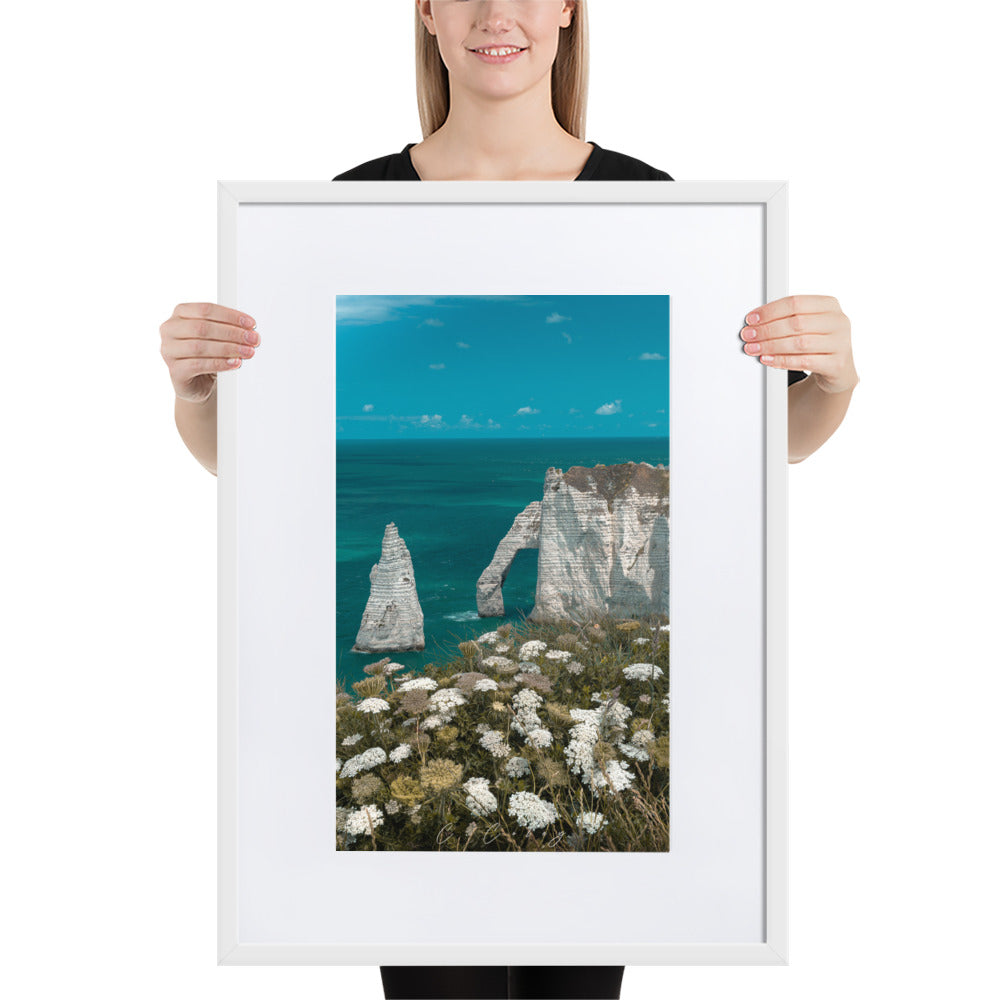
419, 803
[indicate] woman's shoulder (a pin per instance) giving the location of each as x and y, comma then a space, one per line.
393, 167
610, 165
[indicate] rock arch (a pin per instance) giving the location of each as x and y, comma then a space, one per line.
524, 534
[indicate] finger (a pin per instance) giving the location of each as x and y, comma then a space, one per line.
787, 326
174, 350
794, 362
214, 312
790, 305
182, 328
808, 343
189, 368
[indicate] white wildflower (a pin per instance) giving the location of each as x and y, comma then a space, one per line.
349, 741
374, 705
530, 668
532, 648
494, 742
525, 717
662, 628
489, 637
666, 701
530, 811
502, 647
358, 821
391, 668
617, 773
363, 762
643, 736
498, 663
526, 699
433, 721
392, 807
518, 767
574, 667
401, 753
336, 765
447, 698
641, 641
591, 822
480, 800
636, 753
419, 684
540, 738
559, 655
610, 716
486, 684
642, 672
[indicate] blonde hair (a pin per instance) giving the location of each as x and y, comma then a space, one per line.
569, 76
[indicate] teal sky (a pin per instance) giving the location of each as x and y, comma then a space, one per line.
502, 366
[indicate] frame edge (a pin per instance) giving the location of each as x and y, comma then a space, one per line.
227, 581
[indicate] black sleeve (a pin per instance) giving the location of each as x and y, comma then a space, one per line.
794, 377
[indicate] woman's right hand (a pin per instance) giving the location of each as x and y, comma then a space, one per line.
201, 339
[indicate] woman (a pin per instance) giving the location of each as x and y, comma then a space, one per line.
501, 88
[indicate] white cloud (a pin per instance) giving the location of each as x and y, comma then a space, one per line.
492, 425
432, 421
436, 368
367, 408
556, 318
651, 356
432, 322
462, 344
466, 421
609, 408
573, 409
525, 411
569, 339
652, 425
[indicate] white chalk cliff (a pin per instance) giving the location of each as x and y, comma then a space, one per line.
603, 545
393, 620
522, 535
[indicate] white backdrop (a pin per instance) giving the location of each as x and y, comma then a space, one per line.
119, 120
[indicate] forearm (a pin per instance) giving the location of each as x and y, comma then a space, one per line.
813, 415
197, 424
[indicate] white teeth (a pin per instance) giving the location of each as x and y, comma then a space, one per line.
498, 52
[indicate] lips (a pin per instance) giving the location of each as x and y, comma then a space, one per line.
510, 56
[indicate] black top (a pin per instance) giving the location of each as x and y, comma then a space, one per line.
602, 165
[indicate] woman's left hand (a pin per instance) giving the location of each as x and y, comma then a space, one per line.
804, 333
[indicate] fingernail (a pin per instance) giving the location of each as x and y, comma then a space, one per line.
232, 361
251, 338
247, 321
767, 358
753, 318
752, 348
751, 333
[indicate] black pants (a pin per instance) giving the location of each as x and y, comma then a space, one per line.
479, 982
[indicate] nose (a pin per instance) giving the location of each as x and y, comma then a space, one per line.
495, 15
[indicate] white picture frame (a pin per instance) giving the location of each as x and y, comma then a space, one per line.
719, 896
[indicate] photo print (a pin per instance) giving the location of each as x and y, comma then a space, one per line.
502, 573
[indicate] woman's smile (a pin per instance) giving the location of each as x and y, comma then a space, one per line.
498, 53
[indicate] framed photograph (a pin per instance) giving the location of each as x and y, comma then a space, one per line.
502, 585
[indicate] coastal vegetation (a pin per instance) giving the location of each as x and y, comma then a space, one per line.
532, 737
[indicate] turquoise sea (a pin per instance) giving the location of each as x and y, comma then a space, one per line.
452, 501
